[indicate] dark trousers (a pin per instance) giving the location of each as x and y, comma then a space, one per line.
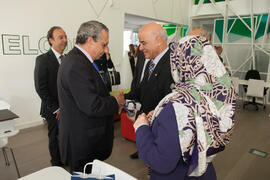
53, 140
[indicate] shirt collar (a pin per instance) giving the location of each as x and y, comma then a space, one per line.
156, 60
57, 54
85, 53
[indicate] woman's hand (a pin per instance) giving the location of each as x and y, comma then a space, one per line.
142, 119
150, 114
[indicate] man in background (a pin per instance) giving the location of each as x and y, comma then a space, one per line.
138, 75
200, 31
45, 76
219, 50
135, 84
86, 128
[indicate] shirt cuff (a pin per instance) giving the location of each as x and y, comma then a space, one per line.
56, 110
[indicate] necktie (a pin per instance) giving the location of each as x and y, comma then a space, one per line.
61, 58
151, 68
94, 64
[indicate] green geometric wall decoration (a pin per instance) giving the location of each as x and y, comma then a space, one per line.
170, 28
239, 28
207, 1
262, 25
219, 29
185, 31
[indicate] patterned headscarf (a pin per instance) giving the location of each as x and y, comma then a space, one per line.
203, 101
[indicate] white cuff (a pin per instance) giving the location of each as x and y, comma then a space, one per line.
143, 124
56, 110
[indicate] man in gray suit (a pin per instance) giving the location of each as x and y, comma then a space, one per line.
86, 123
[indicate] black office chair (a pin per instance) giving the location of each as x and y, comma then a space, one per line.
253, 74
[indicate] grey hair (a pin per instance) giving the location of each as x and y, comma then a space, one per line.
203, 31
90, 29
163, 34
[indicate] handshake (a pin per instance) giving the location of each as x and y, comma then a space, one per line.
120, 98
130, 106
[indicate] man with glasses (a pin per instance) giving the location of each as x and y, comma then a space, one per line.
86, 123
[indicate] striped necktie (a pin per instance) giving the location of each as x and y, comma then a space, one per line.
151, 68
61, 58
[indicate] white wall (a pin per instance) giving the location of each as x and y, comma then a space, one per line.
24, 23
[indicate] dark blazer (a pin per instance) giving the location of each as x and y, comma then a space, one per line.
87, 109
137, 77
103, 64
132, 63
45, 76
155, 88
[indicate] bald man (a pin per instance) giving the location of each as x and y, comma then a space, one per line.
157, 79
157, 83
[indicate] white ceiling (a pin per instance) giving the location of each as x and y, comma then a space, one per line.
134, 22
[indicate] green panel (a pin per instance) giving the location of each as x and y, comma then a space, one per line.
185, 31
207, 1
219, 29
262, 26
170, 29
240, 28
230, 22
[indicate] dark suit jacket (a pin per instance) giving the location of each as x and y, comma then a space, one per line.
155, 88
103, 64
45, 76
132, 63
137, 77
87, 109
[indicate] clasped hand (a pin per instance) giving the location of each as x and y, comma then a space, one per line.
120, 100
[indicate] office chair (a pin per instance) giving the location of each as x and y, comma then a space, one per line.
3, 145
254, 86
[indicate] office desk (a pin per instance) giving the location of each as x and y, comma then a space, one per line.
52, 173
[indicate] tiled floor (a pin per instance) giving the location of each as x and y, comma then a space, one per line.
235, 163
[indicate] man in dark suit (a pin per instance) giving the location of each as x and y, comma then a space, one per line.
157, 83
138, 76
86, 129
45, 75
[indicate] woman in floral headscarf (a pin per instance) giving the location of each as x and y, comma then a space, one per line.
193, 123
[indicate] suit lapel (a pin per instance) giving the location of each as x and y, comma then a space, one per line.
92, 68
159, 66
53, 58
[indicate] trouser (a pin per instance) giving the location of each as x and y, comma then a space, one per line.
53, 140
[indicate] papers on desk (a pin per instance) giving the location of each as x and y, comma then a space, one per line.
6, 114
4, 105
6, 121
